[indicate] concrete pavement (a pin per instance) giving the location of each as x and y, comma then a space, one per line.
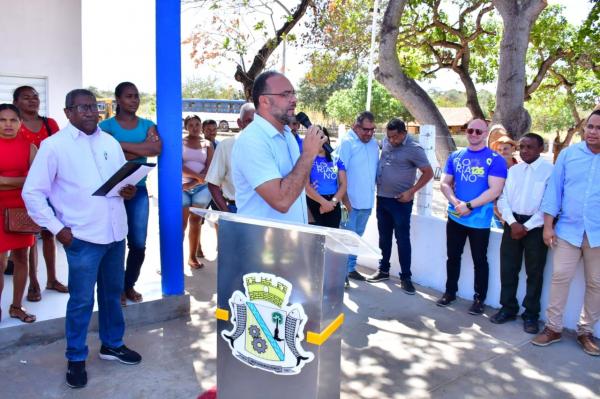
394, 346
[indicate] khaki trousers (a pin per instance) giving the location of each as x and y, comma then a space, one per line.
566, 258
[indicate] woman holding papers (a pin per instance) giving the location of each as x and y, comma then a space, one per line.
197, 155
16, 155
139, 139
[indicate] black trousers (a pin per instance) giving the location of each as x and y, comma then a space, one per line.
329, 219
511, 257
456, 237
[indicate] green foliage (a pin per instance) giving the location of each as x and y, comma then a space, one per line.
571, 86
431, 37
326, 76
344, 105
209, 88
552, 116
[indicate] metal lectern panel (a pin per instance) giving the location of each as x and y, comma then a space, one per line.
317, 276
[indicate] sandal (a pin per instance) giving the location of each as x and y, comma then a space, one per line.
34, 295
57, 286
21, 314
123, 300
133, 295
195, 265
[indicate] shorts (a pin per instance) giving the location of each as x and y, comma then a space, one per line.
198, 196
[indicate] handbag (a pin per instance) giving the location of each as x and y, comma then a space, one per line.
17, 221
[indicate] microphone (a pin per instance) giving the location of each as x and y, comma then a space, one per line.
303, 119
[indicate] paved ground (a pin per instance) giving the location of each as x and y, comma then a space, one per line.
394, 346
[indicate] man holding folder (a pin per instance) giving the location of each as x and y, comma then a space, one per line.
68, 169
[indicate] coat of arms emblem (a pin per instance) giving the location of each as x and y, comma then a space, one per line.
267, 330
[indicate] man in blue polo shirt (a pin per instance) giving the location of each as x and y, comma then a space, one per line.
359, 152
269, 174
473, 179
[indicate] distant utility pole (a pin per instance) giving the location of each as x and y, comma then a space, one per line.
283, 58
372, 54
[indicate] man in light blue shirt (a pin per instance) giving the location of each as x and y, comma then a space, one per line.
269, 174
359, 151
573, 196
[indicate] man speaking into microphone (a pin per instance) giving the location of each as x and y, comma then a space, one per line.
269, 173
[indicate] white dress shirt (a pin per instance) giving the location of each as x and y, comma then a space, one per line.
219, 171
68, 168
523, 192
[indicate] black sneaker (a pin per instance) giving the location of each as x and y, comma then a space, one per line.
477, 307
446, 300
346, 283
122, 354
502, 317
76, 374
377, 277
407, 286
531, 326
354, 275
10, 268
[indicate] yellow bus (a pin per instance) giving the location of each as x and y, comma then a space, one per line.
107, 107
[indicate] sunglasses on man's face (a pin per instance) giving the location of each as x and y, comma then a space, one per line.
478, 132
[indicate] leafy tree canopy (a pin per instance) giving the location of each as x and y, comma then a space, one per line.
344, 105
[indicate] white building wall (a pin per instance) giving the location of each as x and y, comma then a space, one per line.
428, 239
42, 38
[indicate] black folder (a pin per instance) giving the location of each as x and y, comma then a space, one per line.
121, 174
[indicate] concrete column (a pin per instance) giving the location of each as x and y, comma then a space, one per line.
425, 195
168, 107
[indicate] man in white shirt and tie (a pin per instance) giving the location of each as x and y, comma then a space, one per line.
68, 168
520, 207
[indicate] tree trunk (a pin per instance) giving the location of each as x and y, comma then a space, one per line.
413, 97
246, 78
517, 18
472, 99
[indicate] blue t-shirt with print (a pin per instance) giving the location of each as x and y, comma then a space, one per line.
135, 135
471, 170
325, 174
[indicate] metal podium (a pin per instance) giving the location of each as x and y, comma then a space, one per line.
280, 288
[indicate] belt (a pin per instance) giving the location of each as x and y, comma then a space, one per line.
521, 218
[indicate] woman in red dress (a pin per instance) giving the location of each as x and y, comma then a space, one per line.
35, 129
16, 155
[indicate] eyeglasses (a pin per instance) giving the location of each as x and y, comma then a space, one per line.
285, 94
367, 129
478, 132
82, 108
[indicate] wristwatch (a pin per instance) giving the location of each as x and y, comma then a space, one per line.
334, 200
469, 206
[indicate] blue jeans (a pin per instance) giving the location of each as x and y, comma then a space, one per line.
394, 217
198, 196
357, 222
137, 210
90, 263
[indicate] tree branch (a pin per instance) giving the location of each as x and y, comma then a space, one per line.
260, 59
541, 73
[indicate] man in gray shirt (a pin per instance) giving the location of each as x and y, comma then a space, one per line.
401, 156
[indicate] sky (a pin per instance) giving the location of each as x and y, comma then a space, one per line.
118, 45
